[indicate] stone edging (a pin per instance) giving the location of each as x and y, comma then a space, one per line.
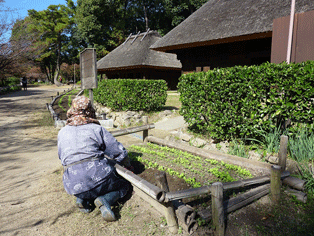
61, 123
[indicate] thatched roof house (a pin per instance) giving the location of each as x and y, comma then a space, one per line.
135, 59
227, 32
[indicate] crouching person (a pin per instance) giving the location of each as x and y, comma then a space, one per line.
88, 153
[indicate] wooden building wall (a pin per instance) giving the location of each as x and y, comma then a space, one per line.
249, 52
302, 40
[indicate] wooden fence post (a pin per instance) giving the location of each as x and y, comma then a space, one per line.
91, 96
170, 215
218, 209
145, 132
282, 155
275, 183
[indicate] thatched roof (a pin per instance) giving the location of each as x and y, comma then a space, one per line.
135, 53
222, 19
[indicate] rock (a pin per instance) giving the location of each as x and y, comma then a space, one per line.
111, 116
106, 123
311, 166
118, 121
167, 113
210, 146
131, 113
138, 121
59, 124
127, 117
175, 133
292, 166
198, 142
185, 137
161, 115
127, 122
222, 146
137, 117
106, 110
272, 159
254, 156
172, 139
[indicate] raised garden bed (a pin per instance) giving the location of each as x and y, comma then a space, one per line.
63, 103
185, 171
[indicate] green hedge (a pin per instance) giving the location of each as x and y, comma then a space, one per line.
240, 101
131, 94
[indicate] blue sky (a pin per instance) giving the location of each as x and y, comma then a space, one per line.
23, 5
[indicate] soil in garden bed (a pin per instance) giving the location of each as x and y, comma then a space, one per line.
62, 107
175, 183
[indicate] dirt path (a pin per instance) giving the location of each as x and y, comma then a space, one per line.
33, 201
24, 159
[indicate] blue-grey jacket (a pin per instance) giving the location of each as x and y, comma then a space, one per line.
82, 151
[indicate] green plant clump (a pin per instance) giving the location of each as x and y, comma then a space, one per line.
301, 148
237, 148
131, 94
301, 145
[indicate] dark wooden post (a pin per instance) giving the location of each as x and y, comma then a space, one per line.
275, 183
170, 215
282, 155
218, 209
145, 132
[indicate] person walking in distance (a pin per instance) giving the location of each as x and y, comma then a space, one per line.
24, 83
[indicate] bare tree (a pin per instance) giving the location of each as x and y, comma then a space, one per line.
6, 54
16, 50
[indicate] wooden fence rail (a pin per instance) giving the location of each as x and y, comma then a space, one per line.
143, 128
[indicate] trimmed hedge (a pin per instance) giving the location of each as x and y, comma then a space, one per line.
131, 94
241, 101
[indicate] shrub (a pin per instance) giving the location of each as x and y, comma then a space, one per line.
241, 100
13, 81
131, 94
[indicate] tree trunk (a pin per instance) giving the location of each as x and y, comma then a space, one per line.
146, 18
55, 80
